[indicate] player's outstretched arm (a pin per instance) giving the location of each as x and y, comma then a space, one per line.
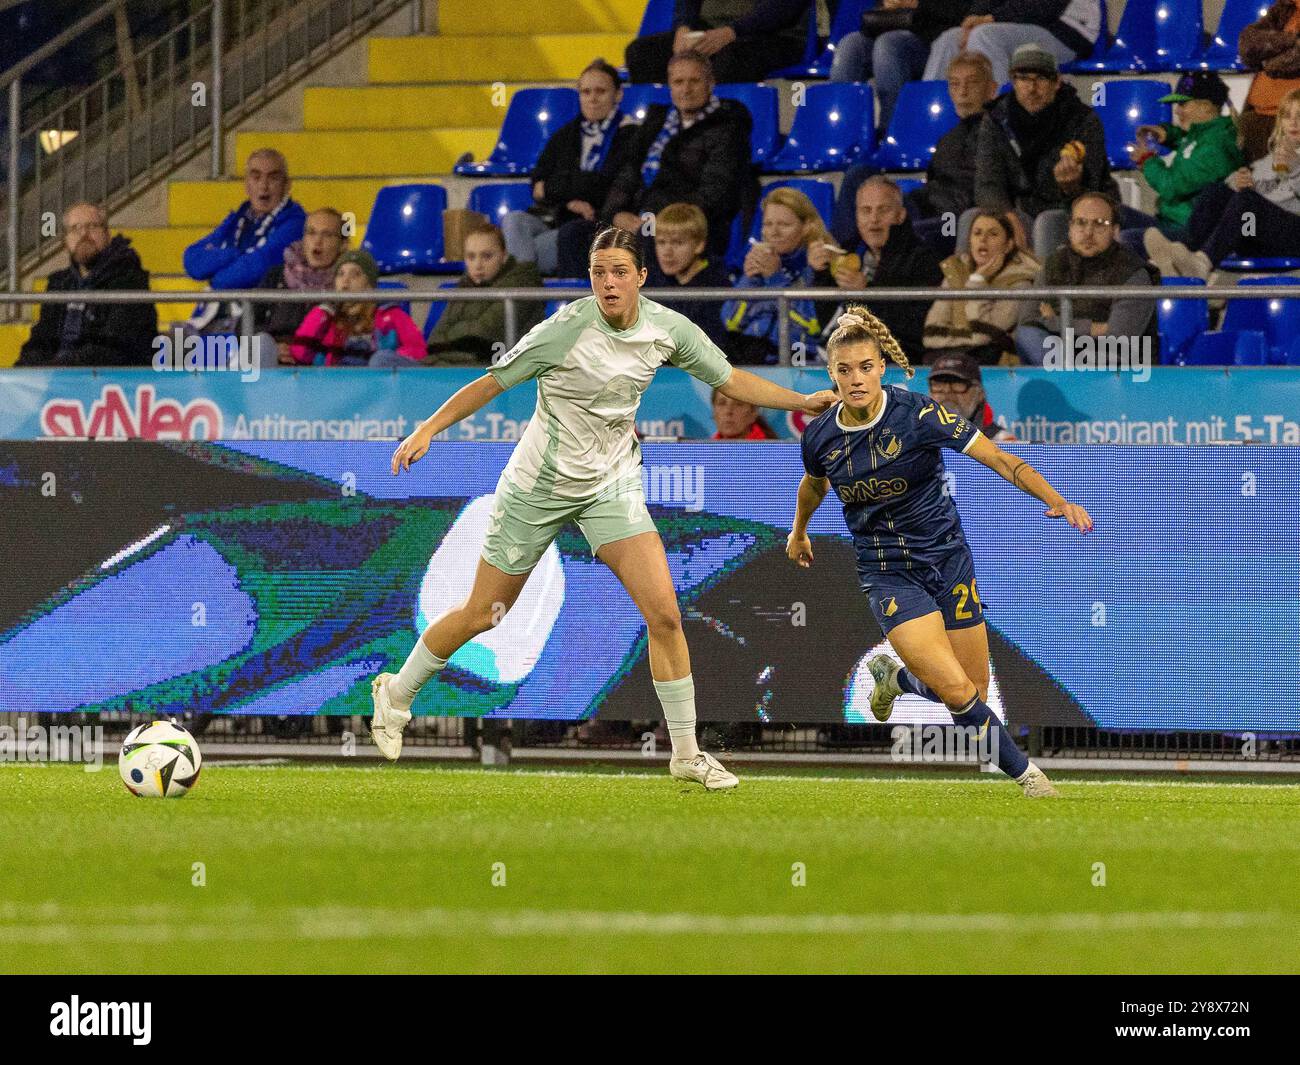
798, 547
746, 387
1027, 479
465, 402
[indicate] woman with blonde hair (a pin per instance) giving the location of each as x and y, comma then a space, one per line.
880, 449
791, 225
981, 327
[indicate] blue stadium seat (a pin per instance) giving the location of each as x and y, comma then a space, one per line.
1153, 35
832, 130
1278, 320
1235, 348
764, 107
496, 199
404, 233
923, 115
847, 19
562, 282
819, 190
1221, 52
807, 66
1129, 104
436, 308
636, 98
1179, 322
532, 117
1253, 266
658, 17
399, 286
906, 185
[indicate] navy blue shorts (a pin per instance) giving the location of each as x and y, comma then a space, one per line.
948, 587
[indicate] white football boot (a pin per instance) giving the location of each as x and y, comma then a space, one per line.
1033, 781
884, 671
388, 722
703, 769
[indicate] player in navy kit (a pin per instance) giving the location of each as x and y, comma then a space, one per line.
879, 448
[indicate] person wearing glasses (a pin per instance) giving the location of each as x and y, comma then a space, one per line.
94, 334
1039, 147
1093, 257
956, 382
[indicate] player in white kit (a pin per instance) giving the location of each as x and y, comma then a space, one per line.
579, 460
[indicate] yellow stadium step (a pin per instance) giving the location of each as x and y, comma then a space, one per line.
205, 203
402, 106
541, 16
13, 335
349, 153
161, 249
478, 58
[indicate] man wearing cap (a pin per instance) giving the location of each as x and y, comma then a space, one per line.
1203, 151
1039, 147
1065, 29
956, 382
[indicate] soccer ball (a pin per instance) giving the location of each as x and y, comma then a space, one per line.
160, 760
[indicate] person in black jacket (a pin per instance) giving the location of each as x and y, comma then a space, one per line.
746, 39
1065, 29
886, 254
1039, 148
575, 169
94, 334
681, 236
696, 151
949, 188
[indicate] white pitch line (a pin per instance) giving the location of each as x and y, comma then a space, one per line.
344, 923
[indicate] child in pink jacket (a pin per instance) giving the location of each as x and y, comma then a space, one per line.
357, 334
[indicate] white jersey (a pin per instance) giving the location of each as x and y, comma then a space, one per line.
590, 377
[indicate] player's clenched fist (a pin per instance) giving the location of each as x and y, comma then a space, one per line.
799, 549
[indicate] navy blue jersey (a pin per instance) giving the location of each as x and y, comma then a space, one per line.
889, 476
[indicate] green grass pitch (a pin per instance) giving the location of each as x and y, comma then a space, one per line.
391, 869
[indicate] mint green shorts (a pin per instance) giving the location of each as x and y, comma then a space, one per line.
522, 527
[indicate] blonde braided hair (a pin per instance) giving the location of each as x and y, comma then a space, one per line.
857, 325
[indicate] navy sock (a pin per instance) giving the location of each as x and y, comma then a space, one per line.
1009, 758
912, 684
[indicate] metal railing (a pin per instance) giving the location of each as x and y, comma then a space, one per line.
511, 297
161, 105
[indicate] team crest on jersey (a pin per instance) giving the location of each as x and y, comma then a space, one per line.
888, 445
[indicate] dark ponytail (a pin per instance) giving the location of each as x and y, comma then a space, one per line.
611, 237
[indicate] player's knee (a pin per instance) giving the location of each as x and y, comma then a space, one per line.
664, 618
479, 617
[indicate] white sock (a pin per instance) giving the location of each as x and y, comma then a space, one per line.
421, 664
678, 700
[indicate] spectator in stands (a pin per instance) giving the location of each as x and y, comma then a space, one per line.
1065, 29
1270, 46
887, 254
251, 240
791, 226
473, 333
1267, 196
949, 188
957, 383
357, 333
745, 39
681, 237
694, 151
1039, 148
308, 264
981, 328
1093, 257
575, 170
893, 45
93, 334
738, 421
1203, 151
